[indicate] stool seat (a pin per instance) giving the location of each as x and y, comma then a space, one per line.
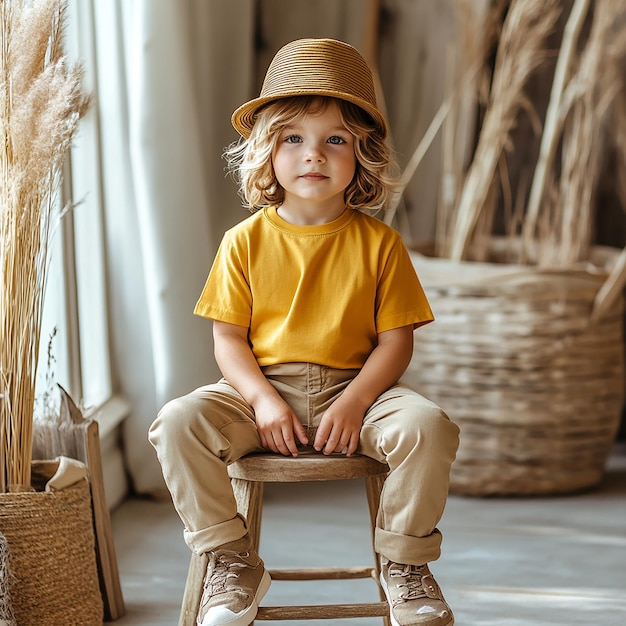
309, 465
248, 475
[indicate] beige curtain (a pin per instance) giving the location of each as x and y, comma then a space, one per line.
171, 72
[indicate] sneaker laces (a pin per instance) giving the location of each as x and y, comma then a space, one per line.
418, 582
220, 566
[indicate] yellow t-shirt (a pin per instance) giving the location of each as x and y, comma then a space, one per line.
316, 294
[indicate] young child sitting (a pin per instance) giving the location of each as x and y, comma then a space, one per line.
314, 303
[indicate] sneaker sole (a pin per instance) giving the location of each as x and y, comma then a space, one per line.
393, 620
247, 617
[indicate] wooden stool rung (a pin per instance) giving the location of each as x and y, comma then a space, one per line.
323, 611
323, 573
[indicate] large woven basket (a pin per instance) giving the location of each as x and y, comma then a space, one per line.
536, 386
52, 554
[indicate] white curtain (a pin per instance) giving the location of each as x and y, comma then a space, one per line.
162, 88
170, 72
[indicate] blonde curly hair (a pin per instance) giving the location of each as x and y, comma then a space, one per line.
250, 160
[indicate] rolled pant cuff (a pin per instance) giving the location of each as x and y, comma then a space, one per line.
201, 541
408, 550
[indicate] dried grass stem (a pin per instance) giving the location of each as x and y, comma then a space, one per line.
520, 51
40, 105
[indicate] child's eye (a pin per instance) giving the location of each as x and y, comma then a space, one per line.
335, 139
293, 139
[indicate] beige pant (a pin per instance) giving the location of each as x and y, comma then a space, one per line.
198, 435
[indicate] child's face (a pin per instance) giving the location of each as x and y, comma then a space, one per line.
314, 161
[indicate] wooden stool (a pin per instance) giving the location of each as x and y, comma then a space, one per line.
248, 476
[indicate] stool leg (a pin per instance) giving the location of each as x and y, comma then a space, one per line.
374, 487
249, 496
193, 590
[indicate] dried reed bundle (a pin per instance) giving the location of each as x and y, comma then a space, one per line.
553, 125
556, 223
40, 104
465, 67
471, 57
612, 289
619, 119
520, 51
590, 93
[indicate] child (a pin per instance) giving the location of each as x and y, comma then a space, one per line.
313, 304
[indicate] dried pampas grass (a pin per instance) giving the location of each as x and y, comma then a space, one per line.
40, 104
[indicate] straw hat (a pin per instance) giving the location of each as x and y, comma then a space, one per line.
318, 67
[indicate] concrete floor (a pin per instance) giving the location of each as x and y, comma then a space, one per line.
506, 562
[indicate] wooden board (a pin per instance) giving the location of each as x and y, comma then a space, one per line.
74, 436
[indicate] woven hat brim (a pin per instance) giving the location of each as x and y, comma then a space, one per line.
244, 117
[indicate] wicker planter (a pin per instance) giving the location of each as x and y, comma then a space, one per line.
52, 554
535, 386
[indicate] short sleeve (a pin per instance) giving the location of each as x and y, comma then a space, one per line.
226, 295
400, 298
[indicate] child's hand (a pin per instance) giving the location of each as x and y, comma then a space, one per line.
279, 426
339, 428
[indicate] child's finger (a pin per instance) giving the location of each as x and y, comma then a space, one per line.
353, 443
280, 445
321, 437
333, 443
300, 431
290, 443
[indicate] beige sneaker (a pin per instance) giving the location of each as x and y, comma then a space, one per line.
414, 596
236, 580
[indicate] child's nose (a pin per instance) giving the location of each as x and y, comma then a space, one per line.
314, 153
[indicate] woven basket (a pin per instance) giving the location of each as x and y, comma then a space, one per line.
52, 553
535, 386
6, 612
